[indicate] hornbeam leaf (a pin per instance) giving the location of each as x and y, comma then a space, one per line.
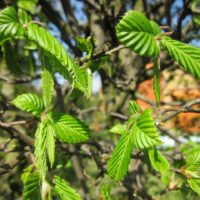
31, 184
11, 58
50, 144
144, 131
156, 81
158, 161
68, 128
29, 103
186, 55
9, 24
118, 164
133, 108
28, 5
50, 44
64, 191
119, 129
40, 148
194, 185
136, 32
47, 86
192, 167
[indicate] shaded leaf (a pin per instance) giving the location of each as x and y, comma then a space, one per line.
156, 81
85, 45
28, 5
31, 184
11, 58
158, 161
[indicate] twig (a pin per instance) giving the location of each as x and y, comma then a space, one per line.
9, 124
184, 108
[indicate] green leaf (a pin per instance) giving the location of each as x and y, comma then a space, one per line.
133, 108
69, 129
9, 24
24, 18
64, 191
85, 45
47, 86
28, 5
194, 185
187, 56
136, 32
29, 103
50, 44
156, 80
158, 161
89, 81
31, 184
192, 167
50, 144
41, 148
155, 27
119, 129
118, 164
144, 131
105, 192
96, 64
11, 58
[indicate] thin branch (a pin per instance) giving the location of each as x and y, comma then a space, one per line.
9, 124
184, 108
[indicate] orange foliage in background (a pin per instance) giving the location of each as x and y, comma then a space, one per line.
179, 87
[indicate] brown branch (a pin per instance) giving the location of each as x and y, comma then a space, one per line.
18, 81
184, 108
9, 124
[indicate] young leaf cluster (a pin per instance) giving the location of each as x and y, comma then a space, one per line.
52, 126
138, 132
145, 38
